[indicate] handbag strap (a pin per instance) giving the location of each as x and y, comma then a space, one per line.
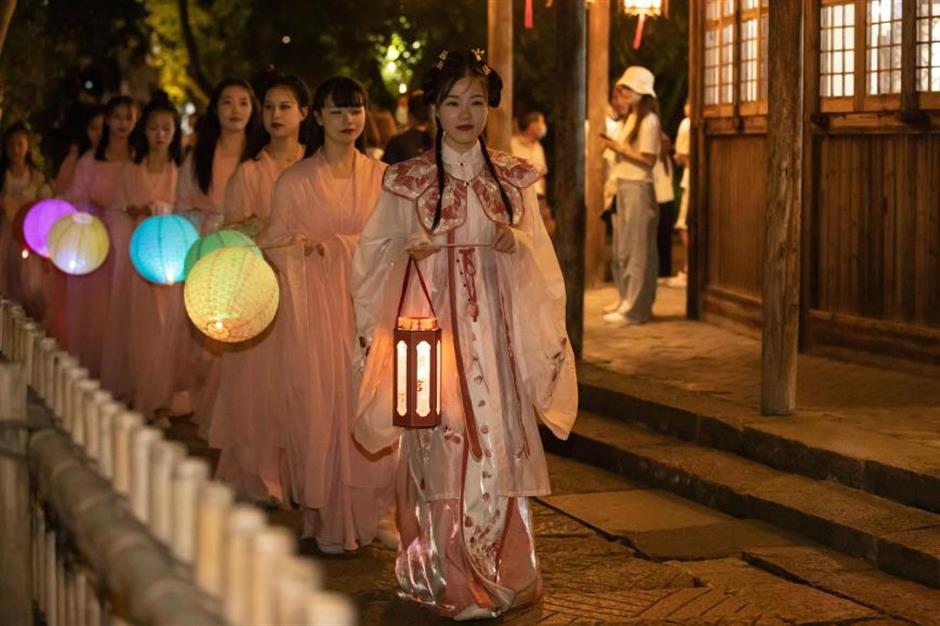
404, 287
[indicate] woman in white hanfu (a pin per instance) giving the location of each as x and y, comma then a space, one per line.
470, 217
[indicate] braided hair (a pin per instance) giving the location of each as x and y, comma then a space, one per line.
453, 66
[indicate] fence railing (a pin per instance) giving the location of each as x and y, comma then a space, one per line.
104, 521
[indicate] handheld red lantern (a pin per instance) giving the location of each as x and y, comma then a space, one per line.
416, 401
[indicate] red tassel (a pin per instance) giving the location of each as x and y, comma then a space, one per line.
529, 18
638, 38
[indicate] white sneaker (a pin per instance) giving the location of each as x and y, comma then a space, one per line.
387, 532
610, 308
614, 317
329, 548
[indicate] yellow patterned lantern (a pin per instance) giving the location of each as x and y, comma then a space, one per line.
78, 243
231, 294
417, 371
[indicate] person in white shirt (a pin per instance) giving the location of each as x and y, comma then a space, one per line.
528, 145
637, 147
683, 150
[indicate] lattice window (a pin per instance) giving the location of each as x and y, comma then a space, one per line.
884, 47
928, 45
837, 51
712, 51
726, 91
753, 54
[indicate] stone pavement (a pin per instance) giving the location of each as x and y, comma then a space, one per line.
616, 552
871, 428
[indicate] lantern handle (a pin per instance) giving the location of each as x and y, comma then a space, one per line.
404, 287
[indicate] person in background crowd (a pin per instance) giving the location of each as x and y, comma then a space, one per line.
154, 312
683, 150
88, 140
21, 184
664, 186
318, 209
527, 144
251, 435
416, 139
97, 187
402, 109
637, 148
227, 132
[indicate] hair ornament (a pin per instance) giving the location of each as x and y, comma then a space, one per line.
480, 56
443, 58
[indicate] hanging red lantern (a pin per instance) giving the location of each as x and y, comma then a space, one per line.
644, 9
417, 372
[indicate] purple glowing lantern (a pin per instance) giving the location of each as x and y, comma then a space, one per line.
39, 220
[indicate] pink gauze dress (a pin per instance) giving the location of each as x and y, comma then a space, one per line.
198, 369
344, 490
250, 434
153, 310
96, 188
467, 541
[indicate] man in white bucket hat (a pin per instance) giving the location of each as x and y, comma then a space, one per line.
635, 262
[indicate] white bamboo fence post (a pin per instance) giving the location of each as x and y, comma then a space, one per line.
38, 537
94, 404
296, 578
329, 608
73, 398
124, 425
47, 349
244, 522
62, 362
61, 590
106, 416
189, 476
51, 584
215, 502
83, 402
31, 336
269, 548
93, 605
164, 455
141, 445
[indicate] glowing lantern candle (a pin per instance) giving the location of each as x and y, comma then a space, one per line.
231, 294
78, 243
215, 241
159, 245
39, 220
417, 371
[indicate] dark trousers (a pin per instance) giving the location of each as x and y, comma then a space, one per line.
667, 220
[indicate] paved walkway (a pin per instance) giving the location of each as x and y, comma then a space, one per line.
693, 360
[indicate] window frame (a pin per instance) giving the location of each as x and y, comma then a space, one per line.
758, 13
722, 109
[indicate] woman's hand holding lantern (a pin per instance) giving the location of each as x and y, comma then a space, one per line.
504, 240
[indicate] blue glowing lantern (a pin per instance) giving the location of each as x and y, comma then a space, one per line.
159, 246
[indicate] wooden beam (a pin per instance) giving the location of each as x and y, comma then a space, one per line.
781, 292
696, 251
598, 71
568, 177
499, 57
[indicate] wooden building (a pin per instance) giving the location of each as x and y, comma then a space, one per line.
869, 223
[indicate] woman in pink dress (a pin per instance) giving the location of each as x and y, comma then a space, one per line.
319, 206
97, 188
470, 217
92, 127
21, 185
153, 311
243, 426
226, 133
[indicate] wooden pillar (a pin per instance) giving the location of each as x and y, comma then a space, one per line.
696, 234
499, 57
570, 63
598, 71
784, 204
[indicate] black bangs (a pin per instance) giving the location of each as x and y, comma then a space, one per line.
342, 91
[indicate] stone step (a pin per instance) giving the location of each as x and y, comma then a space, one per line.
901, 540
896, 468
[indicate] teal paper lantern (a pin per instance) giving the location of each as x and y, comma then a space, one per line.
159, 246
215, 241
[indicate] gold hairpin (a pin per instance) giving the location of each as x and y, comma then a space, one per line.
480, 55
442, 57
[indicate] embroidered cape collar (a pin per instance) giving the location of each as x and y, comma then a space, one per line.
416, 180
